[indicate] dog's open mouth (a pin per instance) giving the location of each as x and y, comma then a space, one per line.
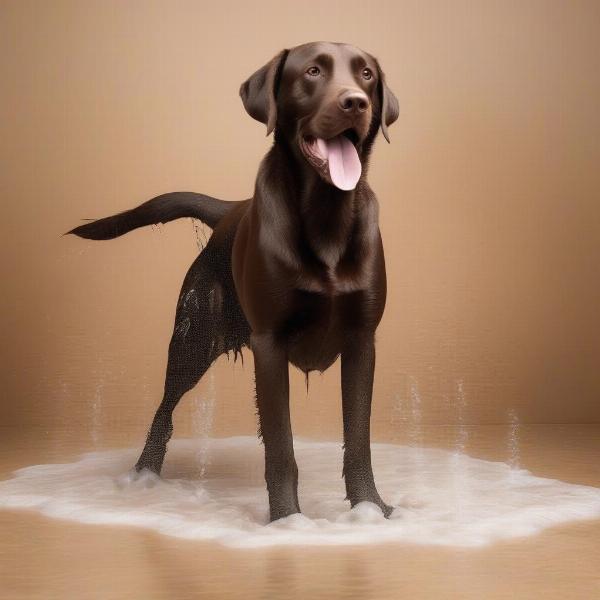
336, 159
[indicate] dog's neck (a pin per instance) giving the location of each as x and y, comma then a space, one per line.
305, 188
327, 214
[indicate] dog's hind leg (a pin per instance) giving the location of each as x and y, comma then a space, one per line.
181, 377
202, 332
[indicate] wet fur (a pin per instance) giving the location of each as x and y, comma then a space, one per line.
296, 273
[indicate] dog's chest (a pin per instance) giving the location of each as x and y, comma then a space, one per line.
334, 253
330, 282
314, 330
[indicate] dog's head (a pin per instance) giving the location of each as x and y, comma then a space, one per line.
329, 101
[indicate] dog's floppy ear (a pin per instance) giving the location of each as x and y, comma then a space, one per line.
259, 90
388, 103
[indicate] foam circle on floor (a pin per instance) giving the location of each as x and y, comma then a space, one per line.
440, 497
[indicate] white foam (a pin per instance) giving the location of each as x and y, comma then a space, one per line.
454, 501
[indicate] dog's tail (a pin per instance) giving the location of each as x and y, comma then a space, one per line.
161, 209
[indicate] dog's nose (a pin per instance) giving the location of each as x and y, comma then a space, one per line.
353, 101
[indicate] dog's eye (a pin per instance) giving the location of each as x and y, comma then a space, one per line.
367, 73
313, 71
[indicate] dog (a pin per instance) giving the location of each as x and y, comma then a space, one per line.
296, 272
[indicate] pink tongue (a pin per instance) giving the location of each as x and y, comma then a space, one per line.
344, 164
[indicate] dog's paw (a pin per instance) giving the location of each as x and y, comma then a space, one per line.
386, 509
144, 478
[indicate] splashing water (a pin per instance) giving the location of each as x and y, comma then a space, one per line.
458, 468
96, 403
415, 432
462, 436
514, 453
97, 413
202, 422
200, 234
415, 436
397, 418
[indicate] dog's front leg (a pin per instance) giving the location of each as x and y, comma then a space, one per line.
358, 367
272, 397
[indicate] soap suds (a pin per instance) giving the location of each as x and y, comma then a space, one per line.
453, 500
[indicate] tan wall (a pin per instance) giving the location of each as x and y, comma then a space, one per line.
489, 200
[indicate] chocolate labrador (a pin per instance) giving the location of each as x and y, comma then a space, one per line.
296, 272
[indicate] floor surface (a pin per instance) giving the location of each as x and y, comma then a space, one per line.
49, 558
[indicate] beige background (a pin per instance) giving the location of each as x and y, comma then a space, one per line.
489, 199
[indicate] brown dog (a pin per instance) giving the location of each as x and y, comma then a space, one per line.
296, 272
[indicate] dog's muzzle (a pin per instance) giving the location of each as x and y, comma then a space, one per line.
335, 159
